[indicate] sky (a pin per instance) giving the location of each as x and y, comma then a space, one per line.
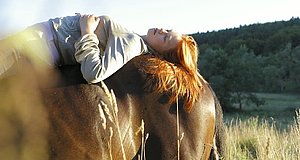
183, 16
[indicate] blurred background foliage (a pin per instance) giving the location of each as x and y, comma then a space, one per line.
257, 58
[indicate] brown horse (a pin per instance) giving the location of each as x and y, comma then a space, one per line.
85, 123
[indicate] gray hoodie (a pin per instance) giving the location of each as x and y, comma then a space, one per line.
100, 54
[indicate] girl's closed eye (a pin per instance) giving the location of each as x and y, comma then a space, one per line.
165, 38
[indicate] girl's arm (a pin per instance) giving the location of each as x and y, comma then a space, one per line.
87, 52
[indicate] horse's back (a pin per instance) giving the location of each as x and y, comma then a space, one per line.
75, 131
79, 117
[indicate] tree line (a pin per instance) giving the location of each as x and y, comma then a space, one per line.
241, 61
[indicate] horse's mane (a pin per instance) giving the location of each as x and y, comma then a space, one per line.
166, 77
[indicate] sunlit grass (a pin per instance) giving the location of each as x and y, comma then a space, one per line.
252, 139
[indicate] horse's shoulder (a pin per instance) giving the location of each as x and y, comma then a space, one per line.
129, 78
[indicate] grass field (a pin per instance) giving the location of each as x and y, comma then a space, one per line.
279, 101
271, 131
278, 108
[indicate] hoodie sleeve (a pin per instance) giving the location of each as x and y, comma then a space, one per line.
103, 54
87, 53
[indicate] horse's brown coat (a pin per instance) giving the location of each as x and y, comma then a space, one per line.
76, 130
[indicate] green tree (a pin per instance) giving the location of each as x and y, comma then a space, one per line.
271, 77
244, 74
281, 70
212, 65
295, 70
234, 76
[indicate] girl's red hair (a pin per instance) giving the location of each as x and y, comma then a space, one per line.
175, 73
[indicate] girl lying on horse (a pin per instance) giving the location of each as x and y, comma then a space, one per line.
102, 47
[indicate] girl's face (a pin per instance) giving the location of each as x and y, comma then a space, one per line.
162, 40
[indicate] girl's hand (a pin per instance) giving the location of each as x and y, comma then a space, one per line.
88, 24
